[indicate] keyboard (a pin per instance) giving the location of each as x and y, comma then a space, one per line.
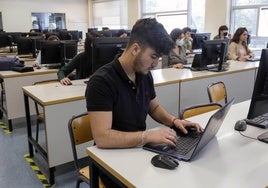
186, 143
254, 59
259, 121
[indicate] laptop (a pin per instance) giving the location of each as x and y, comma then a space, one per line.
211, 129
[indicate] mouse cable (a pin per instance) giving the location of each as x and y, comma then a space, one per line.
247, 136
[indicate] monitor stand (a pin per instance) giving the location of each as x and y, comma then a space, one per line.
263, 137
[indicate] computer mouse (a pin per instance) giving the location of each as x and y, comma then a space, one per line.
240, 125
164, 161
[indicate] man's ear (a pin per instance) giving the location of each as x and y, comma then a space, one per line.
135, 49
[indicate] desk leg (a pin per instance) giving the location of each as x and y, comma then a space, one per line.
94, 174
10, 125
28, 121
51, 176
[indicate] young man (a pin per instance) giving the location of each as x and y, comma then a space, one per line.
120, 94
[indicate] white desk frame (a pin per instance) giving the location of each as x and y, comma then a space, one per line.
229, 160
13, 82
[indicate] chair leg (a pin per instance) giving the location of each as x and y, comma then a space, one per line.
78, 183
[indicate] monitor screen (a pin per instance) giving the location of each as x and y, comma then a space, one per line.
104, 50
214, 52
259, 99
24, 46
50, 52
74, 34
68, 50
198, 39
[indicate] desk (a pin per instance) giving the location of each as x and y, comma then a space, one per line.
60, 103
13, 82
190, 88
229, 160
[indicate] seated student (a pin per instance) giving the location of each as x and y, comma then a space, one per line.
121, 94
122, 33
188, 40
238, 49
81, 63
38, 58
222, 33
177, 56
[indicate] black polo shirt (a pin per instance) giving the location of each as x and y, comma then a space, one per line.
109, 89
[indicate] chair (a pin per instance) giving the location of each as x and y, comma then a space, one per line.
217, 92
198, 109
80, 133
40, 116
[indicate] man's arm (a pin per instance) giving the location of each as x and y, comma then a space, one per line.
106, 137
159, 114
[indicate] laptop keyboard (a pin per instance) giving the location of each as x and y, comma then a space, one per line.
186, 143
259, 121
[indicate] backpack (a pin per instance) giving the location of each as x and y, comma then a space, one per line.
6, 63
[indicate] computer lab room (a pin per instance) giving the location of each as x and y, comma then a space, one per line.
133, 93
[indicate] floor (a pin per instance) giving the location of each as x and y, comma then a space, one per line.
16, 172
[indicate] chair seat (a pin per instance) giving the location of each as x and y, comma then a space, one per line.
85, 172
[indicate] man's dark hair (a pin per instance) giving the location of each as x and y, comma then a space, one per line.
150, 33
186, 29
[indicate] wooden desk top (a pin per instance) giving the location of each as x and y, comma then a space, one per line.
172, 75
55, 93
12, 74
229, 160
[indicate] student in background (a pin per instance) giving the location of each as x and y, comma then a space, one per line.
81, 63
222, 33
177, 56
122, 33
188, 40
238, 49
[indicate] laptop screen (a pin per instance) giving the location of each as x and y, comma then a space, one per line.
259, 99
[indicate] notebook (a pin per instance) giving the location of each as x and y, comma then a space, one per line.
213, 125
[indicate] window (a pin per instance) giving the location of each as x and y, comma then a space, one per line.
112, 14
176, 13
1, 23
251, 14
48, 21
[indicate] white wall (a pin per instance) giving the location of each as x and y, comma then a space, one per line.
16, 14
217, 14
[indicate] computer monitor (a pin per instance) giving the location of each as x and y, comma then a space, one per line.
259, 99
51, 53
214, 52
198, 39
65, 35
105, 49
75, 34
68, 50
25, 46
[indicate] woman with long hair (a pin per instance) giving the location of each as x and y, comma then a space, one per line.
238, 49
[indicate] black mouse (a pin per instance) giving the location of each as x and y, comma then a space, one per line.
164, 161
240, 125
